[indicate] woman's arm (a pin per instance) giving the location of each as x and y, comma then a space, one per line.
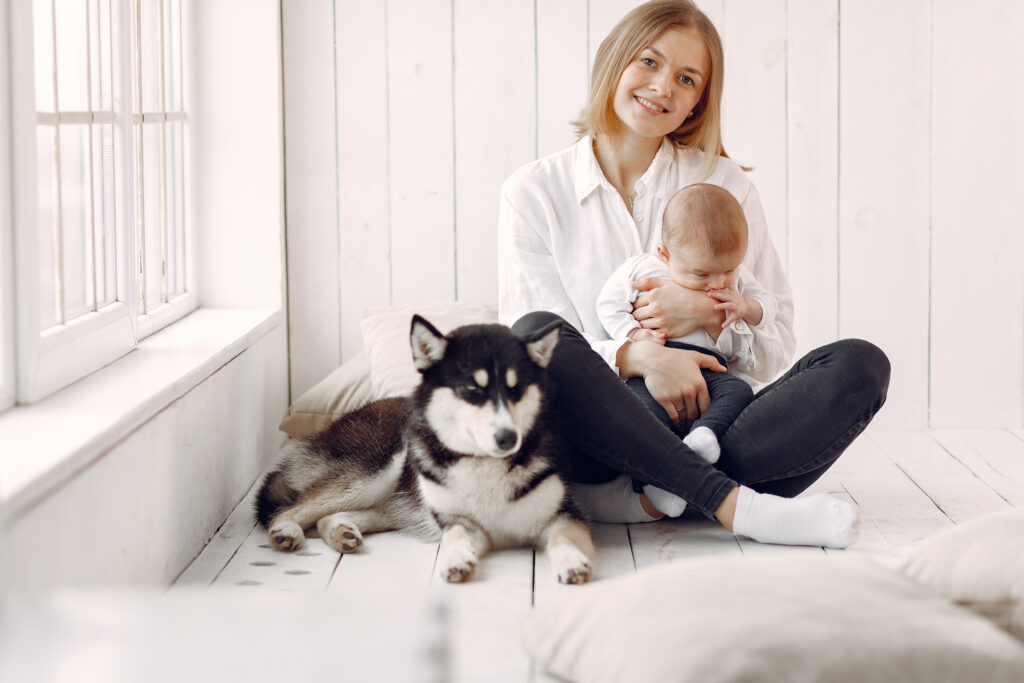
528, 275
676, 311
773, 341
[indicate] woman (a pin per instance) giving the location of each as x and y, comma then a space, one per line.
650, 127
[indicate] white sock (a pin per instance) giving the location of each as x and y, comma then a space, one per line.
815, 520
668, 503
704, 443
614, 501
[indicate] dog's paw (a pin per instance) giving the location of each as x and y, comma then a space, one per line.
287, 536
570, 565
575, 575
457, 563
459, 572
343, 537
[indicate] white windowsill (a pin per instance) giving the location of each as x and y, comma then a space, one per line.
45, 444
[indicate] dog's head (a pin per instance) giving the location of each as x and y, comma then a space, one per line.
483, 387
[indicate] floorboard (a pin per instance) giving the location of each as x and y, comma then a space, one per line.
388, 561
948, 483
906, 484
257, 565
901, 512
994, 456
673, 539
484, 616
222, 547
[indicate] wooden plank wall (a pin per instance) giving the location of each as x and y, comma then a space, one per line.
884, 139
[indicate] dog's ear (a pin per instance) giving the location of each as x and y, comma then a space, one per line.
428, 344
541, 346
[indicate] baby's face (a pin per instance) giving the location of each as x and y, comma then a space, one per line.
693, 267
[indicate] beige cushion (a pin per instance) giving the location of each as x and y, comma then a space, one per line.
342, 391
386, 340
979, 564
383, 369
767, 618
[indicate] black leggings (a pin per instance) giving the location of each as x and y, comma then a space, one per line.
729, 396
792, 431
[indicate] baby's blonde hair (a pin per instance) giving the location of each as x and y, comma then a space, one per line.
631, 35
707, 215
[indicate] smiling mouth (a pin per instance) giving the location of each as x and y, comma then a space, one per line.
649, 106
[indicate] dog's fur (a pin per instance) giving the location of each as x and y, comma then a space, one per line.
470, 459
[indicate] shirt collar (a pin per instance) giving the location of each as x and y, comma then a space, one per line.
589, 175
653, 179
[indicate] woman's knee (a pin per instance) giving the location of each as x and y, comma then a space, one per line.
535, 321
867, 367
639, 389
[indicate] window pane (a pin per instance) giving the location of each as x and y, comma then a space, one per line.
150, 55
154, 243
71, 55
42, 40
75, 208
102, 60
105, 212
45, 190
175, 209
172, 27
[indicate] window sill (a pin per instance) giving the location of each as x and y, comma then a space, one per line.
44, 445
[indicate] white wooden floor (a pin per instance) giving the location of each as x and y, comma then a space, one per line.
907, 484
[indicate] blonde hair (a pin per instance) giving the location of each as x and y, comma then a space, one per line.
631, 35
707, 215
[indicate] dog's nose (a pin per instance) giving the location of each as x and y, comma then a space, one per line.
505, 439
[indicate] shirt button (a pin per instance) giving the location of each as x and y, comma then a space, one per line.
638, 218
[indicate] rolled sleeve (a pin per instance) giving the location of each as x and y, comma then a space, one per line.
773, 341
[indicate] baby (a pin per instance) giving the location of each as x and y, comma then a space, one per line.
704, 241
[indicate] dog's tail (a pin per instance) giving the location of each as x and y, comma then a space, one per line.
275, 494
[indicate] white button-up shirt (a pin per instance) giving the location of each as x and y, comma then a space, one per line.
563, 229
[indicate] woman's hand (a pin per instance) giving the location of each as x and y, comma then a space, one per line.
672, 310
672, 376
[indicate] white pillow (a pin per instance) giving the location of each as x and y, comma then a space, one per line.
769, 618
386, 340
978, 564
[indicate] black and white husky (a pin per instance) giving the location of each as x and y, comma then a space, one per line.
470, 458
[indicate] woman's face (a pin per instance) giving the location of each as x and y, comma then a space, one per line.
662, 85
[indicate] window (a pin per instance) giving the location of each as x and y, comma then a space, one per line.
6, 236
98, 102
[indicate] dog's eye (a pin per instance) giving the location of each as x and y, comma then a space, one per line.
471, 391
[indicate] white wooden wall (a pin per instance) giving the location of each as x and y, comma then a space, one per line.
885, 139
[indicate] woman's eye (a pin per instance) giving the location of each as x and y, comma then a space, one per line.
647, 60
686, 80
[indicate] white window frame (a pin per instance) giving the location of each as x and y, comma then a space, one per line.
7, 352
50, 360
164, 313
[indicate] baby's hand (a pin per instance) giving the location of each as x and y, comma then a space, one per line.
643, 334
736, 307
